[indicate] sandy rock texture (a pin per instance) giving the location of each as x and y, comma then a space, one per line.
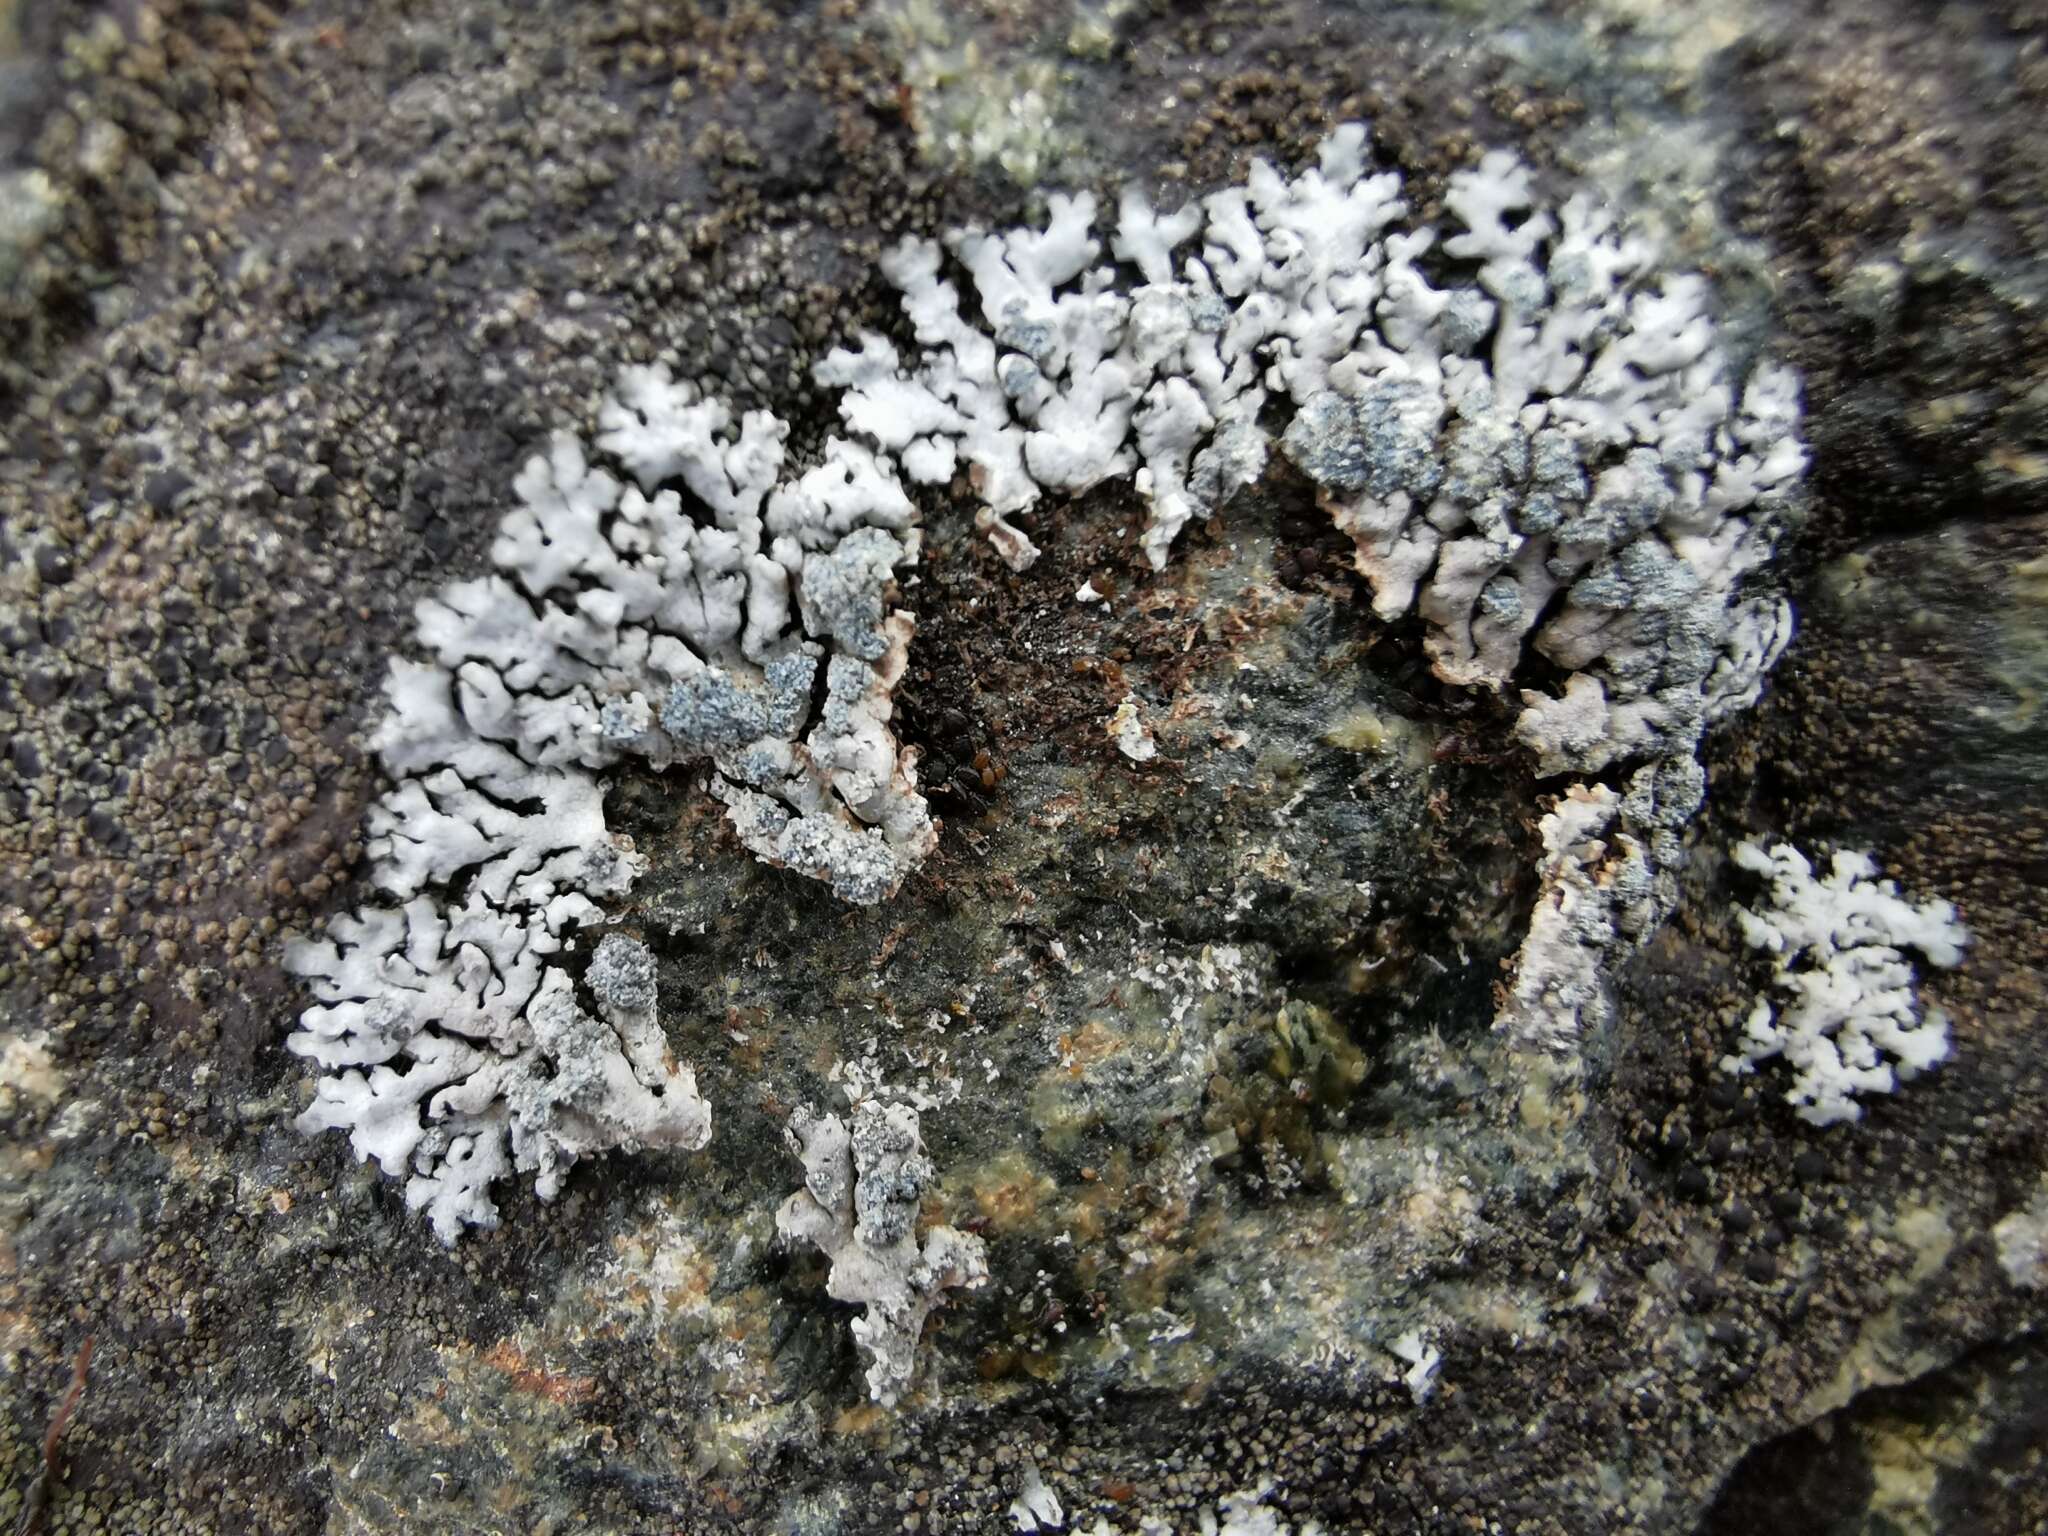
1201, 1038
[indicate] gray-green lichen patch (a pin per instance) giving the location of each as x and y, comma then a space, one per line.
2021, 667
384, 255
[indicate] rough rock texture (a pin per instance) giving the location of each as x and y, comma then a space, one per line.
286, 299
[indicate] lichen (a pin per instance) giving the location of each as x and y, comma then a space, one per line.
1530, 435
1848, 1021
863, 1185
1529, 432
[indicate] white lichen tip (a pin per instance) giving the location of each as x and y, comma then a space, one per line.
1848, 1018
1559, 992
859, 1205
1036, 1507
1127, 728
1605, 882
1423, 1360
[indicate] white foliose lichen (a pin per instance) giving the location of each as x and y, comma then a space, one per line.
1605, 879
681, 618
686, 617
1529, 432
458, 1053
859, 1205
1848, 1018
1531, 437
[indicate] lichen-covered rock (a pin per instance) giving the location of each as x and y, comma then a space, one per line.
1210, 1031
859, 1206
1551, 452
458, 1054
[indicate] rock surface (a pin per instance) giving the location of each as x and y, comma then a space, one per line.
285, 301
